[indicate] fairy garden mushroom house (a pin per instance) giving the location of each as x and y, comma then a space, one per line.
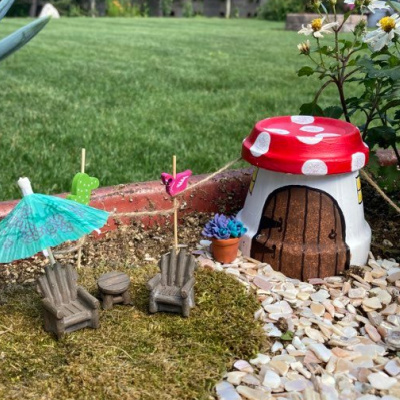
304, 211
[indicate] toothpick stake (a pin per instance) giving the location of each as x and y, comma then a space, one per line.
83, 184
175, 184
175, 207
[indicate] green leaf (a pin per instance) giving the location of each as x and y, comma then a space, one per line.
324, 8
311, 109
352, 63
347, 15
305, 71
324, 50
4, 7
366, 63
288, 335
20, 37
384, 136
346, 44
394, 5
392, 73
391, 104
393, 61
333, 112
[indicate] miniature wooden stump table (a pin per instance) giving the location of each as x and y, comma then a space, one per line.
114, 289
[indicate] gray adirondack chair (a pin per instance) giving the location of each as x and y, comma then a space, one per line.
67, 307
173, 289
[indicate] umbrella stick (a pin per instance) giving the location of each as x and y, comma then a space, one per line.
81, 241
51, 256
83, 161
175, 207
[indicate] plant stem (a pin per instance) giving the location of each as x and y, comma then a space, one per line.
309, 56
321, 89
320, 55
370, 116
351, 73
339, 85
397, 154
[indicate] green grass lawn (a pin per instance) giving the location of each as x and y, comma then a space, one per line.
136, 91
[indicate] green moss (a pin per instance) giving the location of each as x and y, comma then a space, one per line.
134, 355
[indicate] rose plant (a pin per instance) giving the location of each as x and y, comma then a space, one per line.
367, 59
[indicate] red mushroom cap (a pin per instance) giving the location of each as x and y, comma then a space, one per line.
305, 145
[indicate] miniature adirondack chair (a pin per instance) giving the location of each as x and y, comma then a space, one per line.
172, 289
67, 307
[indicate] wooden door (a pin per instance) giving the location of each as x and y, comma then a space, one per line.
302, 234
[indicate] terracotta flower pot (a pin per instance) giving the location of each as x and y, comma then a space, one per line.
225, 250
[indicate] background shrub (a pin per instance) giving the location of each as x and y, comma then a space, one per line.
276, 10
123, 8
166, 7
66, 8
187, 9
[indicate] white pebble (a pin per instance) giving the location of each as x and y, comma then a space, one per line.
276, 347
381, 381
321, 351
226, 391
271, 380
260, 359
320, 296
244, 366
296, 386
393, 367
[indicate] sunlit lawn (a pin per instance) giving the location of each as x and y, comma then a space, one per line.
136, 91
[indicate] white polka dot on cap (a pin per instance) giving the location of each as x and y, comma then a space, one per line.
261, 145
357, 161
322, 135
312, 128
314, 167
309, 139
278, 131
302, 119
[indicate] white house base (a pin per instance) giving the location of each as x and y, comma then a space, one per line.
305, 215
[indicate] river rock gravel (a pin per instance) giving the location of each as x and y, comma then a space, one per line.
332, 338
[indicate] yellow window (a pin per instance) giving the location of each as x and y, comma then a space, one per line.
359, 192
253, 180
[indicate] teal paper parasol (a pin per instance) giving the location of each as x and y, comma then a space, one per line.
39, 222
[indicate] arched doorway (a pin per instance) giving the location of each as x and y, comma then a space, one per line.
302, 233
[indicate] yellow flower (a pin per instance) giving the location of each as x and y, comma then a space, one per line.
317, 28
316, 24
387, 24
388, 27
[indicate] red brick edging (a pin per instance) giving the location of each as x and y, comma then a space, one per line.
223, 193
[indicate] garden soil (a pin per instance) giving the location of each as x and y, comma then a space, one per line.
133, 245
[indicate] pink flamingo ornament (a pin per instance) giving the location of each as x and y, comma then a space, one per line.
178, 184
175, 184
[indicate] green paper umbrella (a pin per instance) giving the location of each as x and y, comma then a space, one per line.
39, 222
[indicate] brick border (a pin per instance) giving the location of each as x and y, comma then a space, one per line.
225, 193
